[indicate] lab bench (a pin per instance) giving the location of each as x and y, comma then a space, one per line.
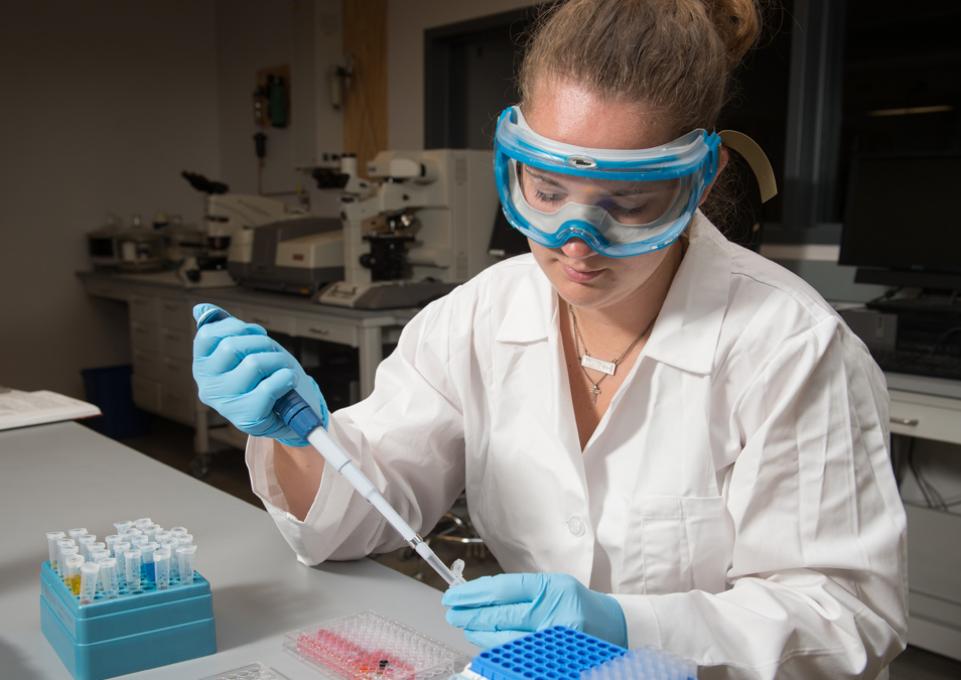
930, 408
64, 475
161, 335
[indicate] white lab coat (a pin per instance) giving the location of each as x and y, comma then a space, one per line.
736, 498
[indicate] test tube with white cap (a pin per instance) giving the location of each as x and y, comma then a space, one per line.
98, 555
185, 539
177, 531
138, 540
109, 578
111, 541
143, 522
147, 570
161, 563
73, 533
83, 542
131, 569
69, 545
89, 573
71, 572
53, 554
185, 562
97, 546
120, 551
122, 527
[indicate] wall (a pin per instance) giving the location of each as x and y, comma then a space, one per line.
103, 105
406, 22
304, 34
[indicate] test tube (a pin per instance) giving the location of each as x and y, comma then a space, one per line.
122, 527
89, 573
131, 569
98, 555
161, 563
185, 562
151, 531
161, 537
138, 540
120, 550
111, 541
178, 531
185, 539
143, 522
109, 581
73, 533
53, 554
172, 545
98, 546
83, 542
63, 544
147, 570
71, 573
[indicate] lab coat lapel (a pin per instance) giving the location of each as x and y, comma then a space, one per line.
689, 325
530, 324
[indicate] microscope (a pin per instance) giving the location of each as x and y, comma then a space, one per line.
420, 226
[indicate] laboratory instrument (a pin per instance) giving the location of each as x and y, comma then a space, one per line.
301, 418
367, 645
644, 663
421, 225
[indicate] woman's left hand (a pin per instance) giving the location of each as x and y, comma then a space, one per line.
493, 610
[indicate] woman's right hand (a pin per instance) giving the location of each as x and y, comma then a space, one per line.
241, 372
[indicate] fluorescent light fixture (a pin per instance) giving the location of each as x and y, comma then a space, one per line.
911, 110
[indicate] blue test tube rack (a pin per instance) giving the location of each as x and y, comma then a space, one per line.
130, 633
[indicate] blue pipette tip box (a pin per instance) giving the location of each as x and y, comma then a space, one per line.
556, 653
130, 633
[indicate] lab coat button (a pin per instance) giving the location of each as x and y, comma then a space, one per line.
576, 526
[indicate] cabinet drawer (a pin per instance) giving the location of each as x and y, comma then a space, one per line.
179, 406
177, 344
146, 394
176, 315
143, 309
147, 365
326, 330
925, 417
143, 336
271, 320
178, 374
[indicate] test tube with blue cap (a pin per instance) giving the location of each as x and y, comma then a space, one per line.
301, 418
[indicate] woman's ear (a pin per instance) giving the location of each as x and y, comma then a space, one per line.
722, 160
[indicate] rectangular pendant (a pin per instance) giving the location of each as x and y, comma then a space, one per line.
607, 367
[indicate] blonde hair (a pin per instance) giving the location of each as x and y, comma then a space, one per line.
675, 55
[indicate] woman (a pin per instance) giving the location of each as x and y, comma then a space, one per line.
664, 438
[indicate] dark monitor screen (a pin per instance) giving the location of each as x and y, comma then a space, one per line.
903, 213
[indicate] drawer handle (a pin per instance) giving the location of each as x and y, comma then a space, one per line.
319, 331
907, 422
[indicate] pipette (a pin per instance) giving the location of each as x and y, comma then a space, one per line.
301, 418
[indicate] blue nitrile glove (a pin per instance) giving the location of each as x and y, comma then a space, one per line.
241, 372
493, 610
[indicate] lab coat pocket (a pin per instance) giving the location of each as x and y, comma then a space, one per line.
657, 558
676, 544
710, 539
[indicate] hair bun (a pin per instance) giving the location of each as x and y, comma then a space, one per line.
738, 23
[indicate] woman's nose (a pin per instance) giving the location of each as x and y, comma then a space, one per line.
576, 249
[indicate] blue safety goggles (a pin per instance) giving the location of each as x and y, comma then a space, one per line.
620, 202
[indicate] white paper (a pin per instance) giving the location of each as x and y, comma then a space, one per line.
20, 409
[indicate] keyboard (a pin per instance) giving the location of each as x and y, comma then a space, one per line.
920, 363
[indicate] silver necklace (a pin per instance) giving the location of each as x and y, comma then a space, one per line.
590, 362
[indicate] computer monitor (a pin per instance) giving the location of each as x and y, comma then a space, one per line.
902, 224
